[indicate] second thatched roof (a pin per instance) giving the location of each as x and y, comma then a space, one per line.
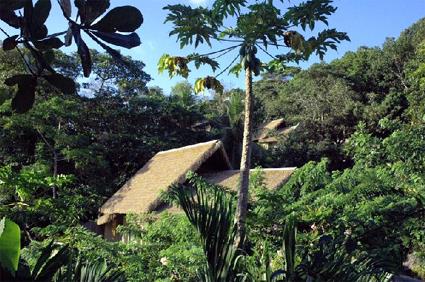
267, 132
273, 177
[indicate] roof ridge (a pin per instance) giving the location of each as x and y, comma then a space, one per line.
253, 169
278, 168
188, 147
266, 169
273, 121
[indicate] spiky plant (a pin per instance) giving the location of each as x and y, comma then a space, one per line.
331, 262
211, 211
51, 259
89, 271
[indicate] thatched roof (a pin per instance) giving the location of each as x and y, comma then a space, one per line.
273, 177
264, 129
105, 219
265, 132
140, 193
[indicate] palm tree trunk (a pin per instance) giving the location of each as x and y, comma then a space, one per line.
243, 192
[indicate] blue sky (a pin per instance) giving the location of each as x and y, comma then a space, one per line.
367, 22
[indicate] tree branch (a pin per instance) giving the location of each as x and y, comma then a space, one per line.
229, 40
265, 51
231, 63
217, 52
224, 53
20, 53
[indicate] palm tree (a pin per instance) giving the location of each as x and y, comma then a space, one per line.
261, 25
234, 105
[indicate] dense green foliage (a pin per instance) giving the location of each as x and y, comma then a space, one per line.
85, 147
253, 28
100, 139
371, 85
357, 200
374, 202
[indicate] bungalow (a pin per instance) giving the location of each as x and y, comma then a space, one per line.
267, 134
141, 193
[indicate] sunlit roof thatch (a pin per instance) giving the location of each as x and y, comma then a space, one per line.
264, 129
267, 132
141, 193
273, 177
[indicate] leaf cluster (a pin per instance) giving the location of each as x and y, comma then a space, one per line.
192, 25
34, 37
258, 25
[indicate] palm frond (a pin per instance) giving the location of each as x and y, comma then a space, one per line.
211, 212
89, 271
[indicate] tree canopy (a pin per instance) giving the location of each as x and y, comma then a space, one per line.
353, 210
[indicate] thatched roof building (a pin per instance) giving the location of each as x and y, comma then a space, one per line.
267, 132
141, 193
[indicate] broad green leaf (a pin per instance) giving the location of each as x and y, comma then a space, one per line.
174, 65
25, 96
63, 83
38, 32
41, 12
10, 18
236, 69
10, 244
12, 4
203, 60
307, 13
10, 43
50, 43
83, 51
124, 40
66, 7
114, 53
17, 79
211, 211
50, 261
199, 85
90, 10
224, 8
122, 19
191, 25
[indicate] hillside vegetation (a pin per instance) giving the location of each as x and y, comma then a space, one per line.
357, 199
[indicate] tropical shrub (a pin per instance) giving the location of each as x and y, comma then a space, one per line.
211, 211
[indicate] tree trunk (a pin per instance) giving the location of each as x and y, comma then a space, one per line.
243, 192
55, 172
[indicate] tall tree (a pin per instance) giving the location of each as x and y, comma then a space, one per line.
258, 26
113, 78
183, 92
